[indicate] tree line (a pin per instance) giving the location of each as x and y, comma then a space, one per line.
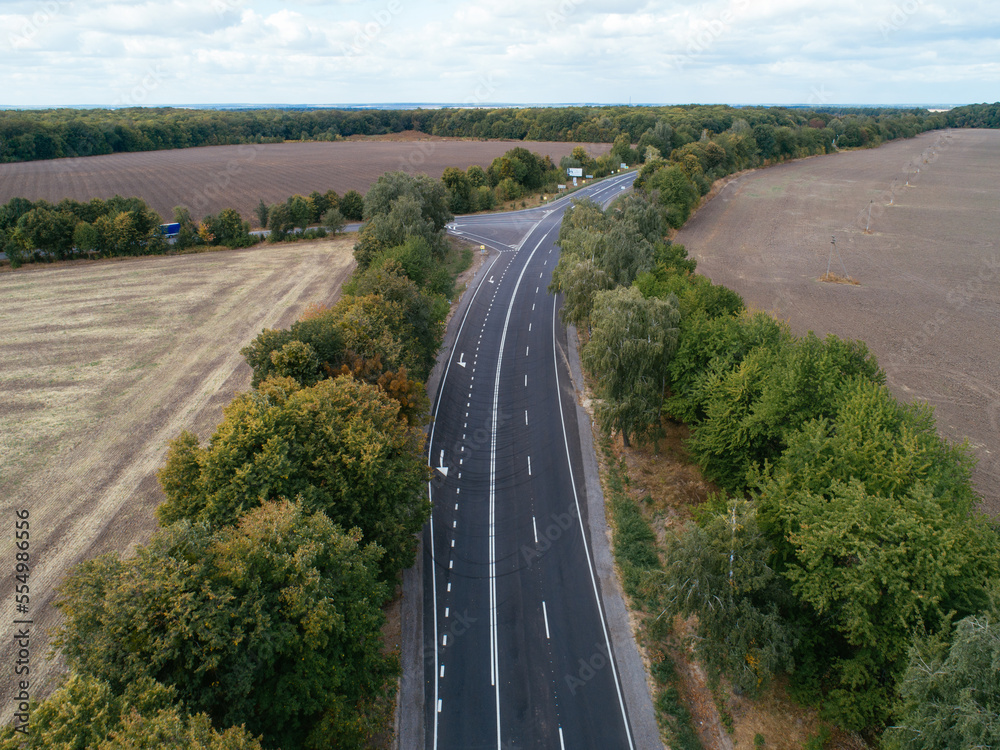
252, 618
32, 231
60, 133
845, 549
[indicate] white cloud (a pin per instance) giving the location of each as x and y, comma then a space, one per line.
89, 51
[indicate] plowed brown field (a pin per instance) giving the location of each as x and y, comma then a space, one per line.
928, 303
103, 364
212, 178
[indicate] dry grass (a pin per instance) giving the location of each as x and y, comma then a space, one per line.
836, 278
104, 363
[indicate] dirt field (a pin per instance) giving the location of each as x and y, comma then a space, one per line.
103, 364
928, 303
211, 178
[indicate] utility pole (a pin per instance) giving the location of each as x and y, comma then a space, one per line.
833, 249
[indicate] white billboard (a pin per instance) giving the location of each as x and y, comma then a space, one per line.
574, 171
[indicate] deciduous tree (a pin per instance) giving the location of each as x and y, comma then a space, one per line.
339, 446
631, 343
267, 624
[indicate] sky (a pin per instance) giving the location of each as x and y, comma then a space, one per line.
482, 52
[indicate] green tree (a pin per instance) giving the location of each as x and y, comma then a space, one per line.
413, 313
477, 176
384, 231
297, 360
333, 220
280, 221
674, 191
48, 231
631, 344
339, 446
300, 210
320, 206
188, 234
459, 190
951, 694
429, 195
872, 517
229, 229
772, 392
261, 213
579, 281
85, 713
267, 625
352, 205
85, 238
721, 572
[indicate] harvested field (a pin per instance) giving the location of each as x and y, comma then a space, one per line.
211, 178
103, 364
928, 299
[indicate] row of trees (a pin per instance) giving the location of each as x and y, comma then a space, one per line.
59, 133
253, 618
41, 231
31, 231
845, 549
68, 229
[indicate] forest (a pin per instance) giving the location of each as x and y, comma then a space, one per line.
28, 135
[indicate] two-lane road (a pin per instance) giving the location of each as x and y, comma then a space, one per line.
517, 649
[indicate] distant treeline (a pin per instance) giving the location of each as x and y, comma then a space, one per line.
59, 133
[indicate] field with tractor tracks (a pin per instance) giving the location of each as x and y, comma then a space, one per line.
103, 364
916, 224
211, 178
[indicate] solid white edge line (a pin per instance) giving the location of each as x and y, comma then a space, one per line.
545, 616
562, 744
583, 532
495, 638
430, 496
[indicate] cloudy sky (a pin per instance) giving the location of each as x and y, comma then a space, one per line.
157, 52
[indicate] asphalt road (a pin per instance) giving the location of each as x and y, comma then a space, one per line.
517, 652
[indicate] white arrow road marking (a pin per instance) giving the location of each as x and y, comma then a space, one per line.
441, 467
461, 360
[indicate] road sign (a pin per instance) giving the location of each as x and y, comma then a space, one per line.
574, 171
